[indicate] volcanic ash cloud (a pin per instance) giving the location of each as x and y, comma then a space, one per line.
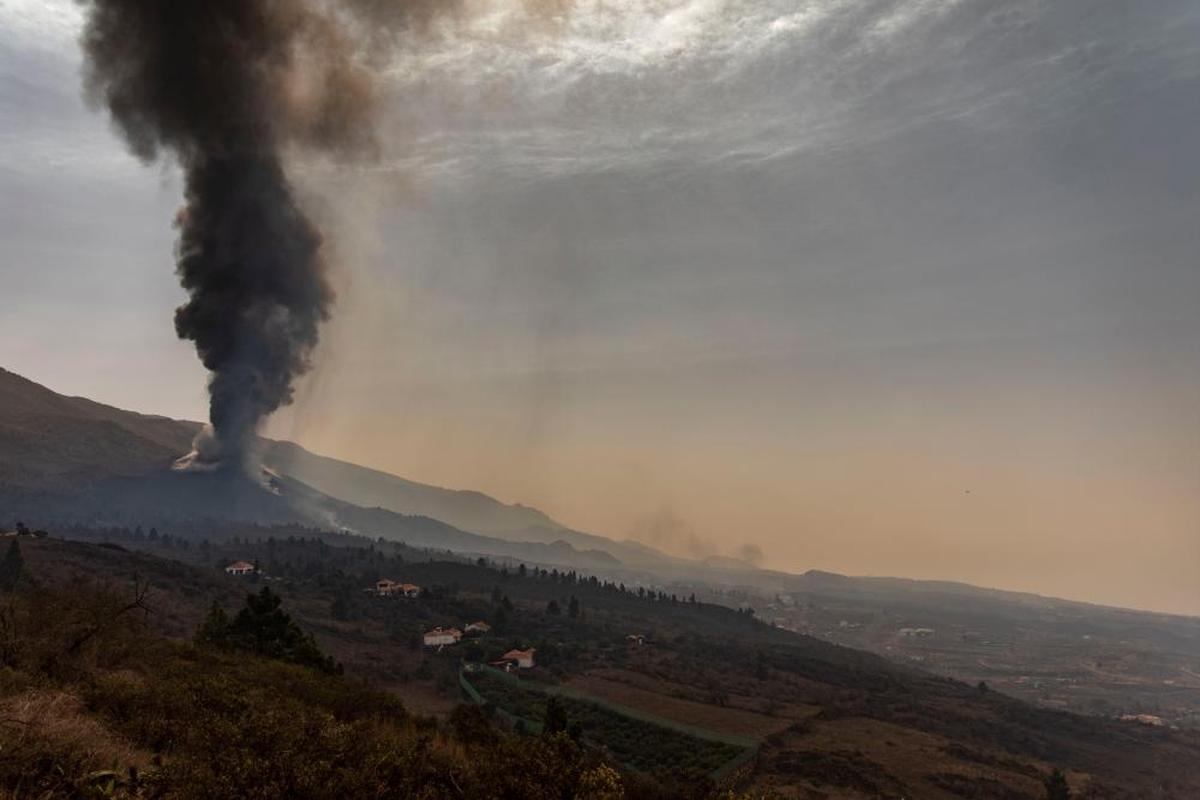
228, 89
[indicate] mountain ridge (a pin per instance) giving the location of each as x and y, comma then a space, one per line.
51, 444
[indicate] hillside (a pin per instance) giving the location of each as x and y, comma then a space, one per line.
96, 701
827, 719
50, 442
66, 461
468, 510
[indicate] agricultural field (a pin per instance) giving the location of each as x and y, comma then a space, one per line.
733, 721
636, 744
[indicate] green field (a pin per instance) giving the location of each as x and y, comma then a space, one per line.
637, 743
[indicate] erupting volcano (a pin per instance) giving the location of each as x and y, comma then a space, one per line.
229, 88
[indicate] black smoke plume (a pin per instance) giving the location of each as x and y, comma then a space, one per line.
229, 88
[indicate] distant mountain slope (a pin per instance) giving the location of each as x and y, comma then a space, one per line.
112, 461
469, 510
48, 440
71, 460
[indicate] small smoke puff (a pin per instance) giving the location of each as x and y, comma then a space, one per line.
751, 554
664, 528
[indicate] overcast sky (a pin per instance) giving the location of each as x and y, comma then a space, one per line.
903, 288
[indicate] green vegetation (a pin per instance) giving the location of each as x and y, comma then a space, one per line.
263, 628
633, 743
12, 568
1056, 786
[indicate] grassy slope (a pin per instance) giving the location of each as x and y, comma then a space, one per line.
851, 723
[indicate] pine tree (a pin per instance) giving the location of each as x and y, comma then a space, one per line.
339, 609
215, 628
264, 628
1057, 787
12, 569
573, 608
555, 720
499, 618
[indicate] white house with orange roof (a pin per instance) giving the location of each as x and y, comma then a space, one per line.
522, 658
441, 637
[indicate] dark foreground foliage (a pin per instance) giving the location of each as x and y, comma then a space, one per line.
92, 704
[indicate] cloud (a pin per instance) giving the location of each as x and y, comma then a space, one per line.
614, 85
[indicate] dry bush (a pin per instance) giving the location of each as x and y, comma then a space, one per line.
50, 746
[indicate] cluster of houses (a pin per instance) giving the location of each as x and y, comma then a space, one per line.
448, 637
241, 568
390, 588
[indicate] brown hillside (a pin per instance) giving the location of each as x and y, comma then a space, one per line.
49, 441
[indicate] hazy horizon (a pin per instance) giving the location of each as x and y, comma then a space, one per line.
889, 288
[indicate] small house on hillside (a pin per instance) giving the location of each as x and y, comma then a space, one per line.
478, 628
440, 637
390, 588
522, 658
240, 568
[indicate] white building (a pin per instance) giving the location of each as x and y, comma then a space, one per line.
440, 637
916, 633
240, 568
522, 658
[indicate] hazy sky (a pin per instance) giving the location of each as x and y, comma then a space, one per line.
904, 287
